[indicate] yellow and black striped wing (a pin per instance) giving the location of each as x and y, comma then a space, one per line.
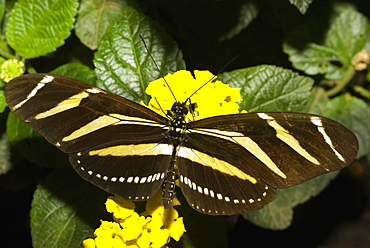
243, 158
82, 121
226, 165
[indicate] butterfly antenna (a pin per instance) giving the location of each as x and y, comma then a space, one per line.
210, 80
156, 65
160, 106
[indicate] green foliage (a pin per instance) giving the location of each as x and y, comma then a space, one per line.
333, 59
340, 107
62, 219
3, 103
302, 5
5, 164
76, 71
36, 28
93, 19
124, 66
279, 214
290, 90
316, 74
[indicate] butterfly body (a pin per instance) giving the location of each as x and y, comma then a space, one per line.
225, 165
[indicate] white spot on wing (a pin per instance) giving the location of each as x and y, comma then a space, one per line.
150, 178
219, 196
47, 79
264, 116
142, 180
94, 90
137, 179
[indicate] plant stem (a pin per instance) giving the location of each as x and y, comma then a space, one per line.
341, 84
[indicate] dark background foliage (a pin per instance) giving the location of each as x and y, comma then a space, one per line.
209, 35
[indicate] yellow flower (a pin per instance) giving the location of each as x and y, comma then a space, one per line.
151, 229
88, 243
133, 226
165, 218
156, 238
211, 97
120, 207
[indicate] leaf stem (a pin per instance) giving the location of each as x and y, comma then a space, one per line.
5, 51
341, 84
362, 91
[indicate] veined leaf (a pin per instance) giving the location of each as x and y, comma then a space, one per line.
36, 28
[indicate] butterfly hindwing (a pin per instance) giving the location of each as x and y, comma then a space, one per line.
214, 192
119, 172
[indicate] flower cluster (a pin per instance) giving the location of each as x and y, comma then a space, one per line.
10, 69
211, 97
153, 228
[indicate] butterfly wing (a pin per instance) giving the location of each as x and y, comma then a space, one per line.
101, 131
244, 157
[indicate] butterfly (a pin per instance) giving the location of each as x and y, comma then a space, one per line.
226, 164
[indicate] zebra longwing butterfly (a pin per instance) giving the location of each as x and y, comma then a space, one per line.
226, 164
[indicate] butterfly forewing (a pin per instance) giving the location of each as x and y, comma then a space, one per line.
58, 107
226, 164
80, 119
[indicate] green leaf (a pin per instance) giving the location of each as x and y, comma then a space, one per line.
94, 16
247, 13
76, 71
317, 101
333, 59
36, 28
278, 215
269, 88
65, 210
353, 113
32, 145
3, 103
5, 161
348, 39
18, 130
124, 66
2, 8
302, 5
316, 59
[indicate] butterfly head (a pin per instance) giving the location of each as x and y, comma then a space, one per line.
179, 108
